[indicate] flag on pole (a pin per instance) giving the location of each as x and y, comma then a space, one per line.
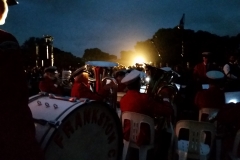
181, 23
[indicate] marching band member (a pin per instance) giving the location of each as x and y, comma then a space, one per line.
17, 130
119, 75
81, 89
232, 72
231, 69
134, 101
200, 70
50, 83
214, 96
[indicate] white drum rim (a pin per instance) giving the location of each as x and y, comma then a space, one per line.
51, 130
111, 110
31, 99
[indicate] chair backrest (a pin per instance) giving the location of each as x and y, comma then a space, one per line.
208, 111
236, 144
196, 132
135, 120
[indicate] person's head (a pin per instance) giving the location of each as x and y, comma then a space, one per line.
81, 75
50, 72
232, 58
120, 75
4, 9
132, 80
206, 57
215, 78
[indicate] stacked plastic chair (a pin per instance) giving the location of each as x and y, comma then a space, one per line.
194, 147
135, 120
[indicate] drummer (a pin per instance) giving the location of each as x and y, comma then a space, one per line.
50, 83
214, 96
134, 101
81, 89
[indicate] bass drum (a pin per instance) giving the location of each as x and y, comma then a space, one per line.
81, 130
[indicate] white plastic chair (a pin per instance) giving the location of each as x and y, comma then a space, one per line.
135, 120
194, 147
233, 155
208, 111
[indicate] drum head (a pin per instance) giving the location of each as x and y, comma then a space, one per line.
90, 132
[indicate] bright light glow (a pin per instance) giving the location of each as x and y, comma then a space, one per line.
143, 89
139, 60
178, 86
233, 101
147, 79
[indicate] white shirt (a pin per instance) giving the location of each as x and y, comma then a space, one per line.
226, 70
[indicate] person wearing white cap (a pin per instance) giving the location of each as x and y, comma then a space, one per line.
50, 83
214, 96
17, 130
200, 70
134, 101
81, 89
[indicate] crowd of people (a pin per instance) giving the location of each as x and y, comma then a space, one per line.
220, 79
17, 131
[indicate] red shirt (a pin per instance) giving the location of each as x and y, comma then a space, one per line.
134, 101
212, 97
200, 72
229, 116
17, 131
80, 90
50, 86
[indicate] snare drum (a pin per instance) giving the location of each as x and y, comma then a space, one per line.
76, 130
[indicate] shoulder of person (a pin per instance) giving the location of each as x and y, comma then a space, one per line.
8, 41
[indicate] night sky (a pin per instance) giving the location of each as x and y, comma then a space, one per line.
116, 25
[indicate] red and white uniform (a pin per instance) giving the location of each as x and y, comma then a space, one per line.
134, 101
80, 90
212, 97
17, 131
50, 86
200, 71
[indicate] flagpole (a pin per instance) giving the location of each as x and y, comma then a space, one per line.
181, 27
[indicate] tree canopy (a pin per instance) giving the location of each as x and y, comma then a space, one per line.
168, 43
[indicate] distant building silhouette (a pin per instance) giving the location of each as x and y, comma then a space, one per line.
44, 53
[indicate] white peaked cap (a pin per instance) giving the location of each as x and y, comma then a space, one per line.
215, 75
131, 76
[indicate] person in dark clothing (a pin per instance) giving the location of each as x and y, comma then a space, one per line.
17, 130
232, 73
